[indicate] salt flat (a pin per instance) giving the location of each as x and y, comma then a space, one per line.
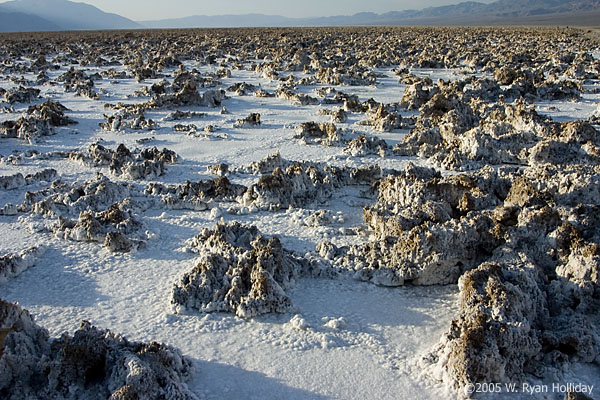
356, 319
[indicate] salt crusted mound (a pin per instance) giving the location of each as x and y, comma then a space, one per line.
78, 82
20, 95
526, 248
430, 229
324, 133
124, 119
238, 271
458, 132
98, 210
250, 121
385, 119
90, 364
18, 180
136, 165
116, 228
188, 95
38, 122
63, 199
296, 185
365, 145
12, 265
196, 195
285, 183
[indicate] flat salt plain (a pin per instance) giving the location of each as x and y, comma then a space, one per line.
376, 350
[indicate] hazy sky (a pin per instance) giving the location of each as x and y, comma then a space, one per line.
140, 10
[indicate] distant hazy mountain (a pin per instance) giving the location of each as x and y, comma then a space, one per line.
19, 22
557, 12
64, 15
48, 15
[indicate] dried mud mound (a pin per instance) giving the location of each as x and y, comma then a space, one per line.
238, 271
90, 364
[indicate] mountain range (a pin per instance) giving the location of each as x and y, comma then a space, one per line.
51, 15
58, 15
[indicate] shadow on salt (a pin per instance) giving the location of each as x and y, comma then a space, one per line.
221, 381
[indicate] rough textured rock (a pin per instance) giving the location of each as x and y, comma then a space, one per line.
70, 200
188, 95
337, 115
123, 120
27, 128
238, 271
296, 185
384, 119
53, 112
179, 115
12, 181
90, 364
18, 180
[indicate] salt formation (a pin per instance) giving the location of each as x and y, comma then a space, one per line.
300, 99
365, 145
124, 119
322, 218
458, 133
337, 115
285, 183
78, 82
296, 185
137, 165
384, 119
12, 265
53, 112
38, 122
242, 88
116, 228
196, 195
238, 271
188, 95
90, 364
20, 95
179, 115
325, 134
18, 180
521, 244
250, 121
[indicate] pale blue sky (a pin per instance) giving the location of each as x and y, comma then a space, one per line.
140, 10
